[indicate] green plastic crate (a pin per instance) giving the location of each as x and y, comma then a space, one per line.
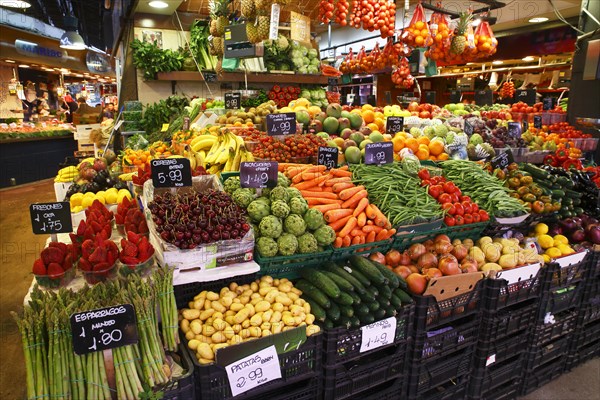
132, 115
288, 266
343, 253
133, 105
417, 233
462, 232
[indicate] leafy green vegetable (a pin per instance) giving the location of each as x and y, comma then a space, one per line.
151, 59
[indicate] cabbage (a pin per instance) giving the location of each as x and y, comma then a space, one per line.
304, 50
303, 69
315, 61
305, 94
296, 53
298, 62
313, 69
284, 67
282, 44
305, 61
312, 53
315, 93
322, 94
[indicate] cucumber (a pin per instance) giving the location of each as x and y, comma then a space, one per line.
385, 292
344, 300
355, 322
355, 297
395, 301
358, 286
379, 314
347, 311
565, 182
344, 322
328, 324
359, 276
361, 309
316, 309
403, 284
578, 211
373, 292
373, 306
558, 194
367, 319
369, 270
321, 281
536, 172
333, 312
339, 281
573, 194
392, 278
576, 201
310, 291
404, 297
390, 312
383, 302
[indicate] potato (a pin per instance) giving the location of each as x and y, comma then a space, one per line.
248, 292
193, 344
244, 333
209, 321
223, 291
242, 315
256, 320
190, 314
283, 299
217, 315
265, 325
267, 278
262, 305
229, 313
266, 332
276, 327
298, 320
219, 346
226, 301
266, 316
277, 307
272, 295
233, 286
208, 330
198, 304
276, 317
285, 287
207, 304
255, 331
219, 324
205, 351
236, 340
296, 291
203, 339
255, 296
293, 296
185, 325
230, 319
254, 301
296, 310
206, 314
244, 299
264, 290
263, 284
229, 333
246, 324
254, 286
235, 307
288, 320
306, 307
218, 337
218, 307
251, 309
201, 295
310, 319
236, 328
204, 361
189, 335
312, 330
196, 326
236, 301
276, 282
212, 296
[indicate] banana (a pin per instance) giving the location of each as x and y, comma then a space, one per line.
199, 159
249, 156
204, 142
237, 160
229, 164
127, 176
215, 151
223, 152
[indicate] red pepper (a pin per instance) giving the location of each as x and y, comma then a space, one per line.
571, 163
424, 174
276, 88
550, 160
562, 155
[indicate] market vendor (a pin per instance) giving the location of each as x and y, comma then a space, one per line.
29, 109
109, 112
83, 109
67, 107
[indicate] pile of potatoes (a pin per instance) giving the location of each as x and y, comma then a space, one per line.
240, 313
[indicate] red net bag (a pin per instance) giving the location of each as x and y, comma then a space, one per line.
401, 74
417, 34
439, 27
375, 58
360, 64
485, 41
346, 65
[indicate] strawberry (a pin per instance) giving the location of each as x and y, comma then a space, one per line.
106, 232
61, 246
52, 255
129, 249
81, 228
133, 237
96, 227
98, 256
68, 262
119, 219
55, 271
142, 227
85, 265
87, 248
39, 268
129, 260
102, 266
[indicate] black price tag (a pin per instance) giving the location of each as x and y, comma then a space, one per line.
503, 160
537, 121
332, 81
468, 128
232, 100
105, 328
454, 96
210, 77
548, 103
514, 129
51, 218
526, 96
328, 156
258, 174
525, 126
484, 97
171, 172
388, 97
379, 153
394, 125
281, 124
430, 97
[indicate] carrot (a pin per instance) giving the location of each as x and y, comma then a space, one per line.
356, 240
293, 171
326, 189
339, 224
334, 215
363, 239
333, 181
319, 200
338, 242
356, 232
361, 218
338, 187
380, 219
326, 207
353, 201
311, 183
371, 237
370, 211
379, 222
347, 193
350, 225
369, 221
360, 207
307, 193
391, 232
341, 173
316, 168
308, 175
371, 228
346, 241
382, 235
343, 168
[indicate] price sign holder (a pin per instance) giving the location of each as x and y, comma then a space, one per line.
171, 172
105, 328
514, 129
379, 153
394, 125
430, 97
525, 125
547, 103
526, 96
503, 160
378, 334
455, 96
468, 128
281, 124
258, 174
51, 218
254, 370
233, 100
332, 81
484, 97
328, 156
537, 121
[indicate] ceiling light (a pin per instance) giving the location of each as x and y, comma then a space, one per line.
71, 39
10, 61
528, 58
497, 62
537, 20
15, 3
158, 4
23, 66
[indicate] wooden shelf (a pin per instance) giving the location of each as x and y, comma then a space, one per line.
241, 77
179, 76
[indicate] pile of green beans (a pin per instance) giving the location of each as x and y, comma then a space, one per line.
484, 189
398, 194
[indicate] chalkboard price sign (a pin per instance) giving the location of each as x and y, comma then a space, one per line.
468, 128
514, 129
454, 96
171, 172
503, 160
548, 103
525, 126
379, 153
332, 81
394, 125
484, 97
281, 124
105, 328
259, 174
51, 218
537, 121
526, 96
328, 156
232, 100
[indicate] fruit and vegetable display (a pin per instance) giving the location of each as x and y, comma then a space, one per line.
352, 294
283, 95
288, 149
27, 131
538, 198
583, 230
239, 313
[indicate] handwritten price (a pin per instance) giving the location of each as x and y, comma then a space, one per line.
252, 376
258, 179
174, 176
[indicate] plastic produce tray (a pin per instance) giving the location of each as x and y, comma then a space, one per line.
558, 277
470, 231
533, 379
587, 335
391, 390
185, 293
590, 312
501, 350
342, 345
565, 298
501, 374
427, 377
343, 253
182, 388
510, 320
565, 323
288, 266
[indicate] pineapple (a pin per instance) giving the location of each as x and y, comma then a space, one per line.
218, 46
264, 23
213, 27
459, 40
221, 13
219, 67
263, 5
252, 32
248, 9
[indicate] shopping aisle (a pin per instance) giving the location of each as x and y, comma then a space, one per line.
583, 383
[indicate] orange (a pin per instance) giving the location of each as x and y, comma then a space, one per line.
401, 134
379, 122
398, 143
419, 40
432, 158
379, 114
443, 157
368, 116
373, 126
423, 152
367, 107
412, 144
436, 147
423, 140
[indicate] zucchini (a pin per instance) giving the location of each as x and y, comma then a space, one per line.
565, 182
358, 286
403, 284
339, 281
344, 300
359, 276
355, 297
573, 194
392, 278
379, 314
367, 319
536, 172
355, 322
310, 291
390, 312
316, 309
321, 281
347, 311
333, 313
404, 297
576, 202
558, 194
361, 309
344, 322
369, 270
395, 301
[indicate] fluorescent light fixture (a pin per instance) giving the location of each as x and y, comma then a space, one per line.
528, 58
23, 66
158, 4
497, 62
537, 20
10, 61
477, 22
15, 3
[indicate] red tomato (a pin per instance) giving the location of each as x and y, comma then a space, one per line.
426, 182
484, 215
445, 198
450, 221
436, 190
449, 187
476, 217
468, 219
424, 174
467, 206
465, 198
449, 208
460, 210
437, 179
455, 198
459, 220
474, 208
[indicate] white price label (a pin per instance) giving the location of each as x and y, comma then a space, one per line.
253, 371
490, 360
377, 334
274, 26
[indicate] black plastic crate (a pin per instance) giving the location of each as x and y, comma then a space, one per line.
564, 298
584, 354
182, 388
354, 379
587, 334
538, 377
453, 389
502, 374
297, 369
500, 350
592, 291
342, 345
456, 336
391, 390
499, 294
185, 293
590, 313
595, 263
558, 277
510, 320
508, 391
542, 354
564, 324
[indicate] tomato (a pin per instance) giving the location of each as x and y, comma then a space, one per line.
455, 198
449, 187
425, 182
467, 207
450, 221
437, 179
465, 198
484, 215
537, 207
449, 208
458, 192
445, 198
459, 220
468, 219
476, 217
435, 191
460, 210
424, 174
474, 208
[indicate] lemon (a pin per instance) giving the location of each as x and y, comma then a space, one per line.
560, 239
100, 199
553, 252
565, 249
122, 194
112, 190
76, 209
76, 199
545, 241
87, 201
89, 194
546, 258
111, 197
541, 229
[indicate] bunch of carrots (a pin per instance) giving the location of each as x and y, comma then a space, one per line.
344, 205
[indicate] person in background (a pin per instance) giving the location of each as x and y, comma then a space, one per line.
109, 112
68, 107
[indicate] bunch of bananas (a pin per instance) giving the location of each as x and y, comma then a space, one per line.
226, 153
67, 174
